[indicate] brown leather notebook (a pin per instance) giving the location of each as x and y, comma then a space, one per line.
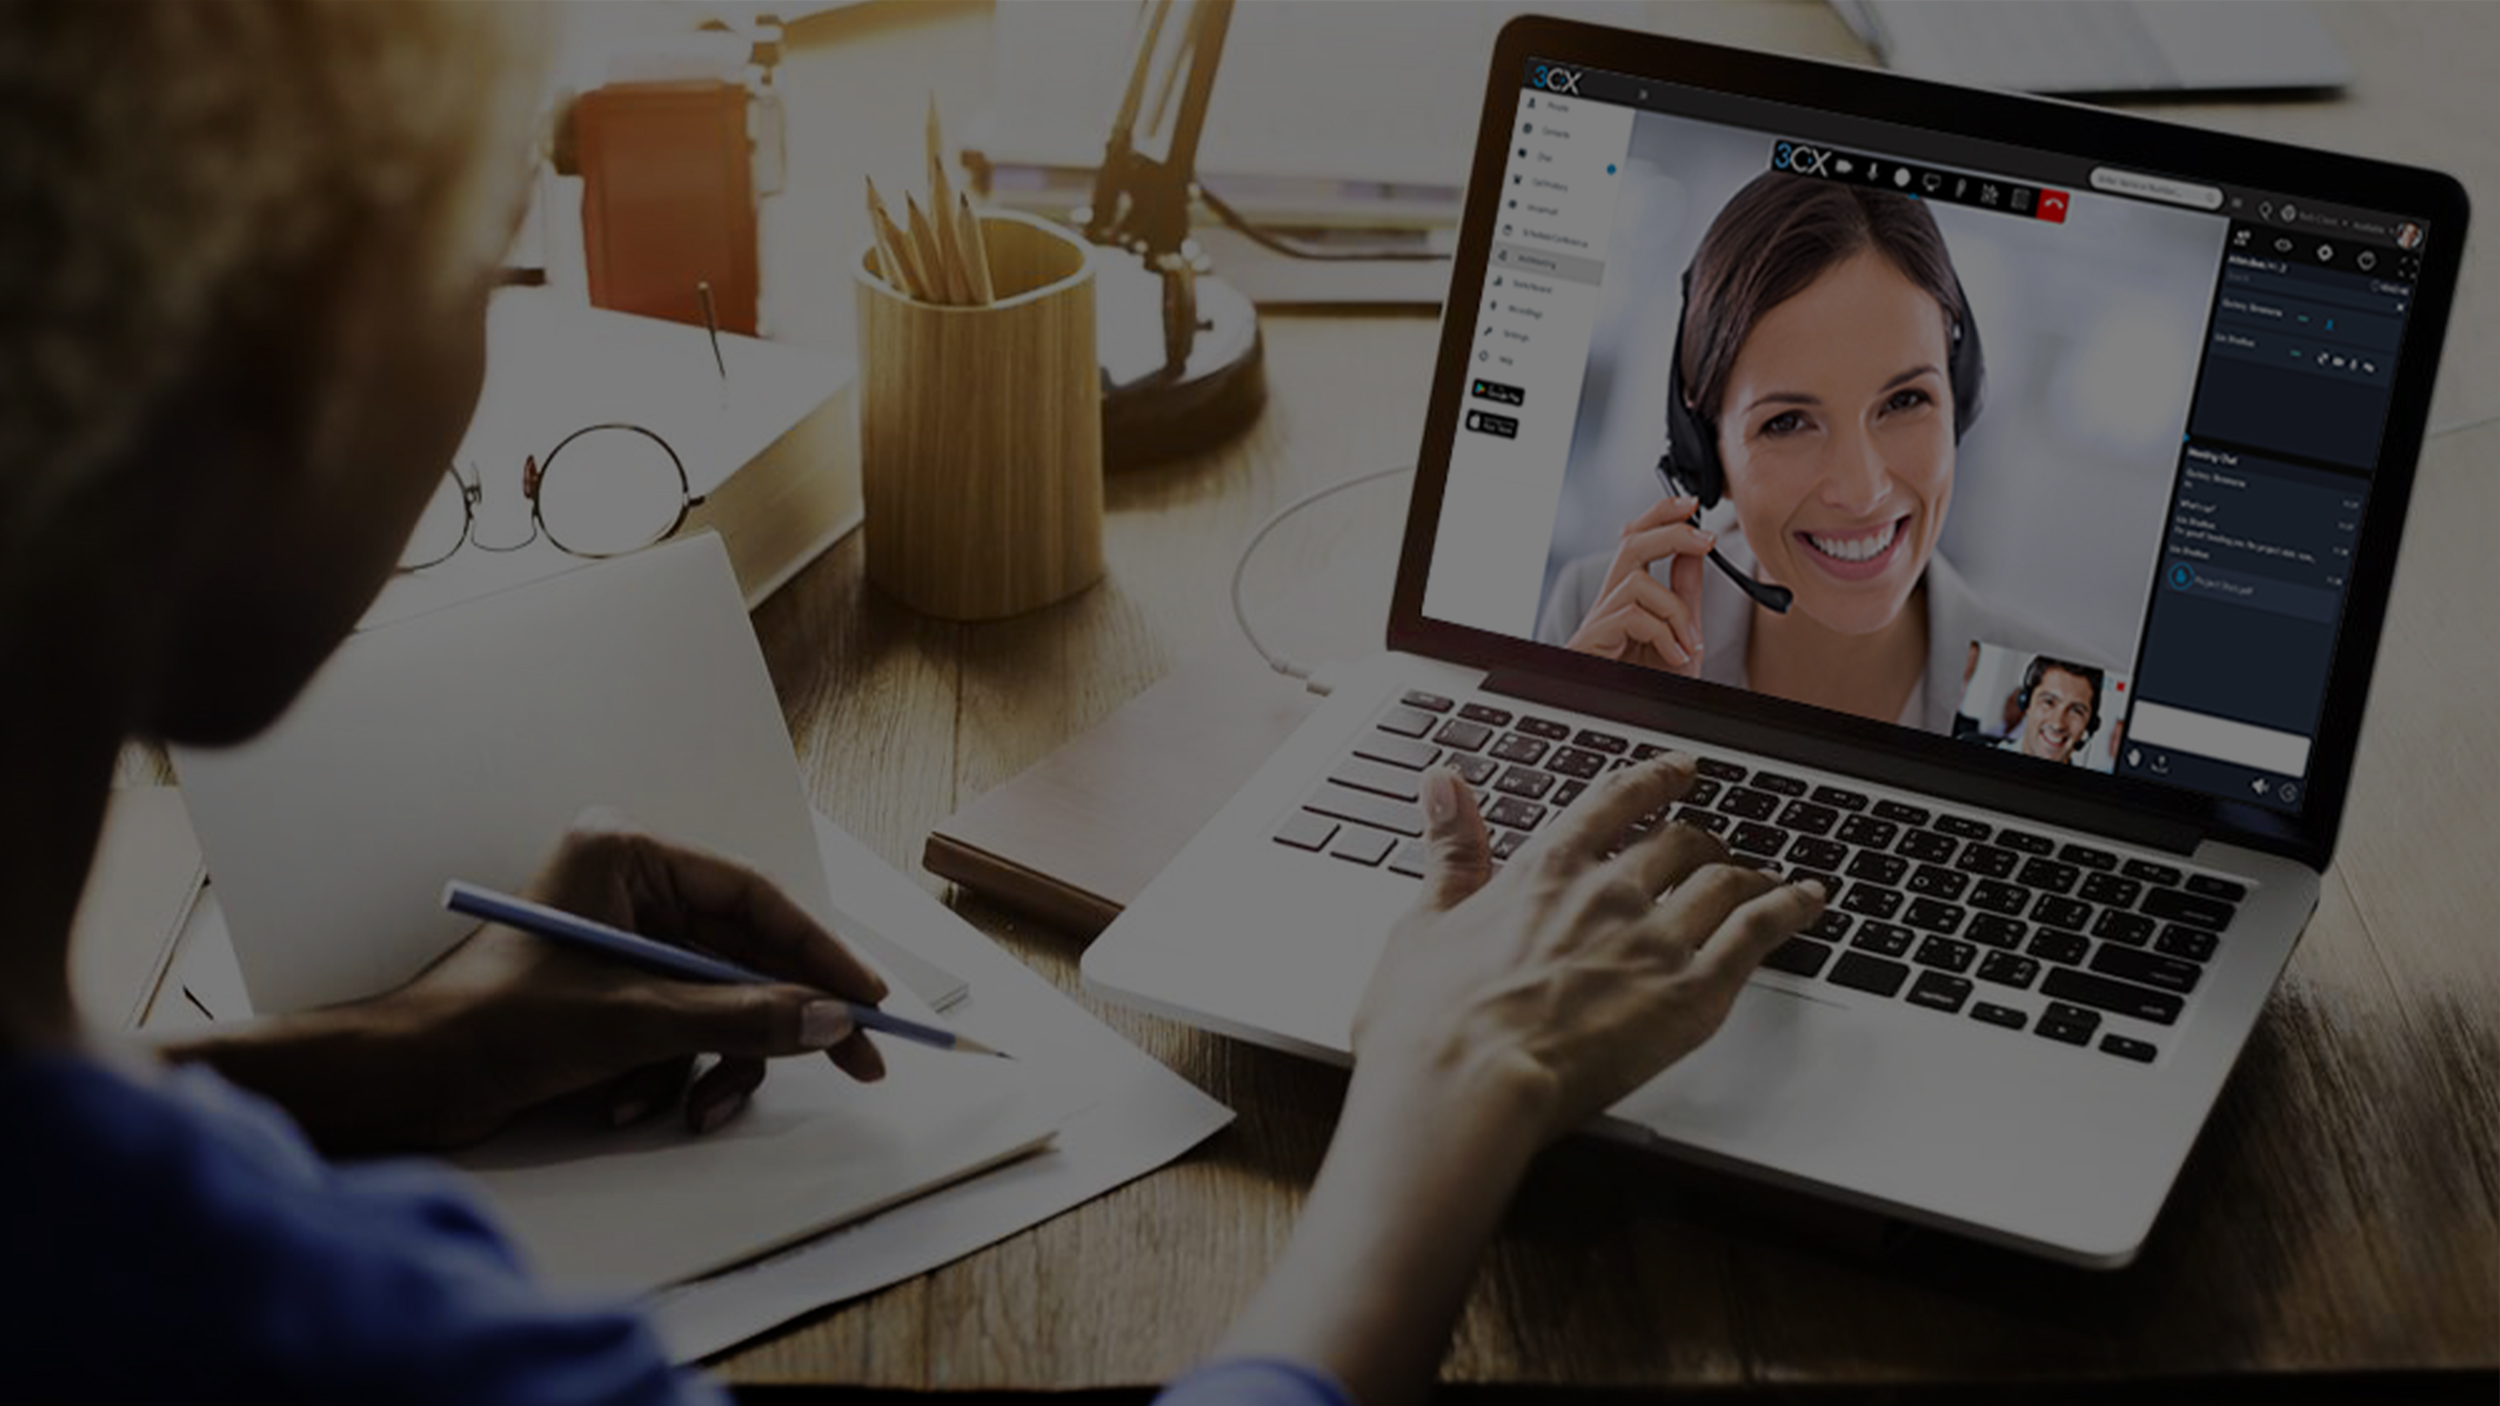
1075, 838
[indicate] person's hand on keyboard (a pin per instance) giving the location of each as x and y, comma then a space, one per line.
1569, 978
1507, 1009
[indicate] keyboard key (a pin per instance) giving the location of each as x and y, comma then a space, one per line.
1963, 827
1778, 785
2010, 969
1928, 847
1996, 930
1397, 783
1939, 992
2026, 842
2116, 926
1362, 807
1475, 771
1515, 813
1647, 750
2123, 998
1817, 854
1605, 742
2047, 874
1807, 818
1306, 831
1507, 842
2180, 940
1934, 916
1935, 881
1703, 792
1526, 751
2059, 912
1870, 901
1946, 953
1429, 702
1411, 859
1868, 831
2125, 1048
1988, 861
1407, 722
1525, 783
1798, 874
2068, 1024
2150, 872
2151, 968
1574, 763
1391, 750
2110, 889
2212, 887
1898, 811
2181, 907
1546, 728
1486, 713
1359, 846
1718, 770
2006, 1016
1998, 896
1465, 736
1707, 821
1839, 799
1831, 925
1802, 956
2088, 857
1860, 972
2050, 945
1877, 868
1749, 804
1762, 862
1568, 792
1884, 939
1757, 839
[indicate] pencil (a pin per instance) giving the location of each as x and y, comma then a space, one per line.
574, 930
941, 200
933, 260
976, 251
897, 249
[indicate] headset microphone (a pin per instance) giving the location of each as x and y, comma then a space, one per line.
1775, 599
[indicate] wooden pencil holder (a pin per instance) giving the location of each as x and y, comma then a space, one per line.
980, 432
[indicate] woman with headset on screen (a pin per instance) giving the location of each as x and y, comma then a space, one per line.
1825, 369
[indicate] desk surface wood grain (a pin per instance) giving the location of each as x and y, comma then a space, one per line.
2338, 1213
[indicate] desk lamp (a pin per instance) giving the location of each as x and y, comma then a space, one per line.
1181, 351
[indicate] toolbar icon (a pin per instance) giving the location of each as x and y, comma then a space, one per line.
2053, 206
1987, 193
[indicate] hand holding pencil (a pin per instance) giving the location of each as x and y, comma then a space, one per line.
938, 256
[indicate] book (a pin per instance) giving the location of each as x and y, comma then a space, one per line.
771, 448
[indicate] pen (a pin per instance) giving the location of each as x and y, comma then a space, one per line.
711, 324
461, 896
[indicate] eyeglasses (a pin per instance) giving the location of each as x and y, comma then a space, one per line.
603, 491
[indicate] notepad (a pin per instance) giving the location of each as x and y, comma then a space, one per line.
460, 743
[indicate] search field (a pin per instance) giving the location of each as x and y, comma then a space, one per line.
2144, 187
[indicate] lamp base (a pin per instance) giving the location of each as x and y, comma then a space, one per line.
1153, 411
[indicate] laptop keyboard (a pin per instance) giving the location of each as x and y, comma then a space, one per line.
1956, 914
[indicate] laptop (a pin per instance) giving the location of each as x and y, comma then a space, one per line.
2056, 462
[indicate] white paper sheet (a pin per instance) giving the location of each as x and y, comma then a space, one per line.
1144, 1116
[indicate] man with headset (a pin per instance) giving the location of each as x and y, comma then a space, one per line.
2061, 709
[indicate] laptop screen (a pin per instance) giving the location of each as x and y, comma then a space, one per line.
2061, 459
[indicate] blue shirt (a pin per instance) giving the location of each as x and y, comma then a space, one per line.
170, 1237
166, 1236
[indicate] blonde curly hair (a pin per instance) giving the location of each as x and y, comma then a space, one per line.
167, 165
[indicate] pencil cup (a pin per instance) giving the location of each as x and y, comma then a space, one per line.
980, 432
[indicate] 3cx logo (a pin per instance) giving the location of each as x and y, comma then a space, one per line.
1555, 80
1804, 160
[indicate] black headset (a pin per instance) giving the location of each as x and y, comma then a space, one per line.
1691, 463
2040, 666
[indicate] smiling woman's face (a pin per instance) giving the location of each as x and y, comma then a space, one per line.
1837, 433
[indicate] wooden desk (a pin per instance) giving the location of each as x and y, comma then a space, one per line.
2336, 1217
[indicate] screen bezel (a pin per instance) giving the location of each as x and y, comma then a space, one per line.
1608, 686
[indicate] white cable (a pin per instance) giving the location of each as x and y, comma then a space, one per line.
1241, 567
